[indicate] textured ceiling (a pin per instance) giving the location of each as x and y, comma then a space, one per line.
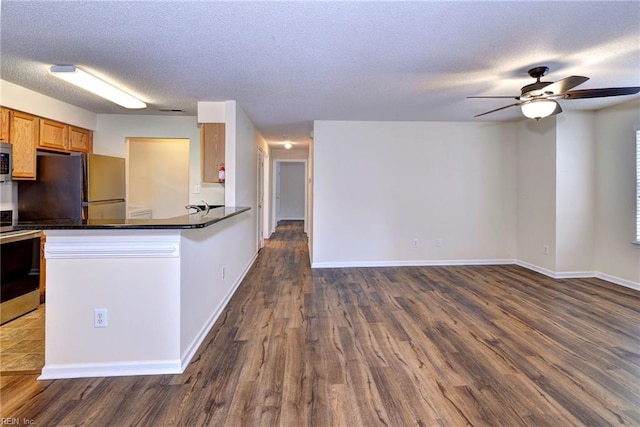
289, 63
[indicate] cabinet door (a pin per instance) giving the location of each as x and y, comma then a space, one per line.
4, 124
53, 135
213, 141
24, 131
80, 140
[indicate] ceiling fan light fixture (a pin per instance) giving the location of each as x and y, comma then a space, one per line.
538, 108
84, 80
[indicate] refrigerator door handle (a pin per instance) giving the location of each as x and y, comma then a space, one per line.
102, 202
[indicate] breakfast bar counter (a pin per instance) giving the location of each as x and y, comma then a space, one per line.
138, 296
195, 220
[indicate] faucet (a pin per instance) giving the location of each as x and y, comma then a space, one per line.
206, 207
196, 207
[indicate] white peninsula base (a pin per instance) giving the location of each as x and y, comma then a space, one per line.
161, 289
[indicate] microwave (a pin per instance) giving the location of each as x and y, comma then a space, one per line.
5, 162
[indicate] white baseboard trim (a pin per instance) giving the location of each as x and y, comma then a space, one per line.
536, 268
574, 274
581, 275
89, 370
618, 281
556, 274
291, 219
427, 263
197, 341
412, 263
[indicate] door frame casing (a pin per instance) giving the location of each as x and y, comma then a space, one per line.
276, 184
260, 205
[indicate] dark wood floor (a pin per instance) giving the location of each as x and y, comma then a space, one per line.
481, 345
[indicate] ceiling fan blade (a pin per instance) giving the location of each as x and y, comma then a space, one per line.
558, 110
564, 85
601, 93
498, 109
499, 96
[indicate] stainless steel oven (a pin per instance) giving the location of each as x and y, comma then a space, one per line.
6, 161
20, 270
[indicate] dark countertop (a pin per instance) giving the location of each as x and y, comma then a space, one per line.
196, 220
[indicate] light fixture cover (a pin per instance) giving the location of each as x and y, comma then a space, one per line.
288, 145
86, 81
539, 108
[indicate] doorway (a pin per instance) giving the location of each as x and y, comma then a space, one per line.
290, 191
158, 176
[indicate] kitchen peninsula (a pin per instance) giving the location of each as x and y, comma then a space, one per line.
135, 296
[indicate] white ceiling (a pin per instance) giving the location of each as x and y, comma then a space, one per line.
289, 63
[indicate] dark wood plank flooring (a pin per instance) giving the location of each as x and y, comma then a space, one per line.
474, 345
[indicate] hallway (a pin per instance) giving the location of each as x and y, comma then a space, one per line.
463, 345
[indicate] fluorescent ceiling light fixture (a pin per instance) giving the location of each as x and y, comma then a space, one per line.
539, 108
288, 145
86, 81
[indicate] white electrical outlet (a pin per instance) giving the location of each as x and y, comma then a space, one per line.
545, 249
223, 272
100, 318
438, 243
196, 188
415, 243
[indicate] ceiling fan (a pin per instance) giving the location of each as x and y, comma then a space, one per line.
538, 100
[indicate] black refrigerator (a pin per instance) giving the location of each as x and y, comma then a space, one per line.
74, 187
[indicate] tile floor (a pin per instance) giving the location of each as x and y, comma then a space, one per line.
22, 343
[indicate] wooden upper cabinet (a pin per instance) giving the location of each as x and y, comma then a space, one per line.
24, 130
4, 124
53, 135
212, 142
28, 133
80, 140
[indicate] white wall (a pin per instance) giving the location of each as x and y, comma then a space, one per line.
393, 182
241, 156
616, 258
204, 291
113, 130
575, 193
158, 175
310, 193
230, 153
292, 188
379, 185
300, 153
246, 160
28, 101
536, 192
